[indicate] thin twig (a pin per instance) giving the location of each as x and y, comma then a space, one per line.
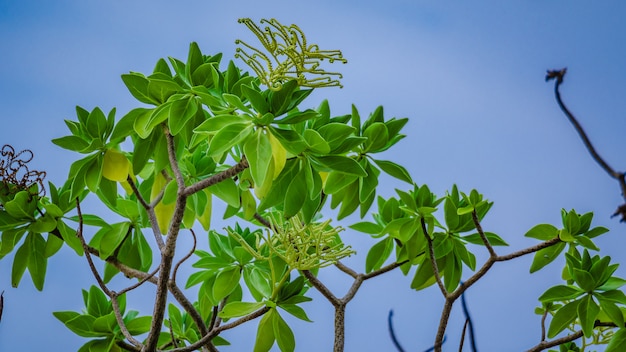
463, 335
112, 295
483, 237
140, 282
433, 260
619, 176
394, 339
154, 224
193, 249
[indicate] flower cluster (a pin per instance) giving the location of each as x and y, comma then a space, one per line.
288, 56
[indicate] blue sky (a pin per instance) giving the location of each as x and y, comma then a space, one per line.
469, 75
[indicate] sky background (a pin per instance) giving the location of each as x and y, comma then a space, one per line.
470, 77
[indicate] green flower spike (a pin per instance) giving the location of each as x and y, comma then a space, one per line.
306, 246
288, 57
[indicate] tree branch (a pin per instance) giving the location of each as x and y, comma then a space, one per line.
433, 260
154, 224
219, 177
547, 344
558, 75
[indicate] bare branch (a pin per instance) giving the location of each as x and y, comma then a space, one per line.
619, 176
394, 339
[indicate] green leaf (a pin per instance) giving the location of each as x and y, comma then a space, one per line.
335, 133
587, 312
542, 232
340, 164
424, 276
112, 237
227, 191
596, 231
43, 224
265, 333
336, 181
137, 84
563, 318
140, 325
584, 279
367, 227
21, 206
295, 194
37, 260
81, 325
560, 293
284, 336
377, 137
239, 309
618, 341
97, 303
228, 137
181, 111
258, 151
611, 310
378, 254
295, 310
226, 282
493, 238
315, 142
545, 256
125, 126
258, 101
289, 139
73, 143
20, 261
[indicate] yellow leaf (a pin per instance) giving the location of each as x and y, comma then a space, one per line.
205, 218
115, 166
279, 155
163, 212
324, 177
260, 191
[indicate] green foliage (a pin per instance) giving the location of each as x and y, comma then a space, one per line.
203, 131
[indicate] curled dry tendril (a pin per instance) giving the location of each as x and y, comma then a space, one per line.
287, 56
15, 175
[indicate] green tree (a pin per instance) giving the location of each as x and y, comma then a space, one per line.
206, 133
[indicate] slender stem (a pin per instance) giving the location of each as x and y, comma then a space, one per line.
193, 249
140, 282
433, 260
579, 128
483, 237
154, 224
112, 295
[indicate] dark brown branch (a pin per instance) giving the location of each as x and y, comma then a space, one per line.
112, 295
556, 342
619, 176
483, 237
558, 76
150, 210
193, 249
207, 338
228, 173
433, 259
